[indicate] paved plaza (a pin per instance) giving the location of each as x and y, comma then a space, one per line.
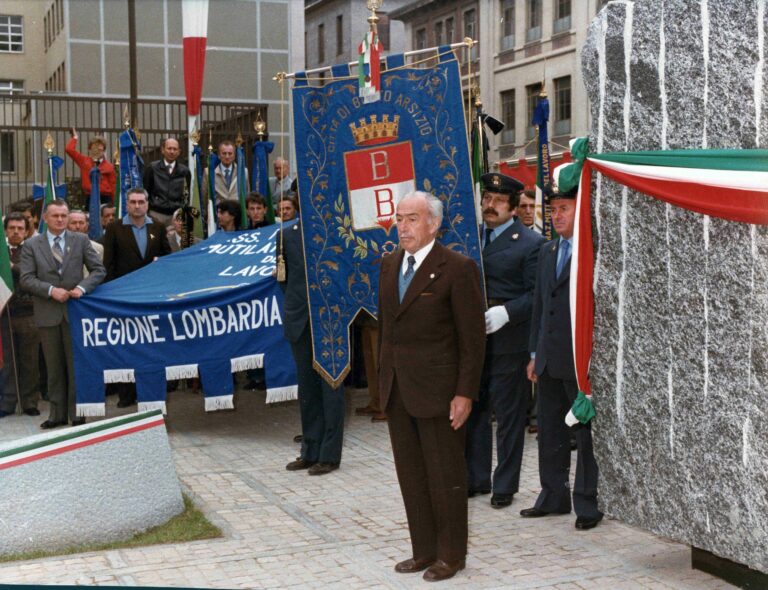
346, 529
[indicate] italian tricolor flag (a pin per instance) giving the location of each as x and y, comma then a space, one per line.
369, 67
727, 184
6, 279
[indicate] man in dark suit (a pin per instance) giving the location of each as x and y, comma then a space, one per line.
21, 341
510, 253
131, 243
431, 348
52, 270
320, 404
165, 181
551, 367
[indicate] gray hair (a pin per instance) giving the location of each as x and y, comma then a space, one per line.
434, 205
137, 190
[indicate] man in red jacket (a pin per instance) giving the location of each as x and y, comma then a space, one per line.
96, 148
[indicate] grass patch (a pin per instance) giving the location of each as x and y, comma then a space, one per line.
190, 525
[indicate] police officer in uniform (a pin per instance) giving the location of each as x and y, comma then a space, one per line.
510, 254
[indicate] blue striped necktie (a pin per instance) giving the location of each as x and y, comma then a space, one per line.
58, 253
562, 259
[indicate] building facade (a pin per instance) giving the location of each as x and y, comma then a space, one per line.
334, 29
522, 43
81, 48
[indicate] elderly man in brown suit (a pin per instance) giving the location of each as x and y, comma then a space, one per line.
432, 344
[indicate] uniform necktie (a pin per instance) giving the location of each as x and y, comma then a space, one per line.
406, 277
58, 253
563, 256
488, 234
170, 169
228, 176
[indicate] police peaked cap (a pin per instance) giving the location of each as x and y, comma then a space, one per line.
551, 192
493, 182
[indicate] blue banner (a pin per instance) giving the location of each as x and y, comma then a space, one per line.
131, 168
206, 311
354, 162
540, 120
259, 170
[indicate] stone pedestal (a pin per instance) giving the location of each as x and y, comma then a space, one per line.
680, 363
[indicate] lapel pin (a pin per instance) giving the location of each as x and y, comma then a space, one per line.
432, 276
515, 236
295, 227
554, 248
151, 236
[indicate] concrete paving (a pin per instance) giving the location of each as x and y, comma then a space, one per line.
346, 529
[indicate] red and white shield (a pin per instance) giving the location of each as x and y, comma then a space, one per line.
377, 178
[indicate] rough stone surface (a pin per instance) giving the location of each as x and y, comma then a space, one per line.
679, 369
103, 492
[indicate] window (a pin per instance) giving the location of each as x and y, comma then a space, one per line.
320, 43
439, 33
508, 116
11, 34
470, 30
507, 24
531, 98
449, 30
7, 155
340, 34
421, 39
562, 16
11, 87
563, 105
533, 21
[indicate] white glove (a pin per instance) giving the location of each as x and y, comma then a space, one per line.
496, 318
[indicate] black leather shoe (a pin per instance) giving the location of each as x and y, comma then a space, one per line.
473, 493
298, 438
48, 424
323, 468
501, 500
441, 570
78, 421
533, 513
584, 523
299, 464
126, 404
32, 412
413, 565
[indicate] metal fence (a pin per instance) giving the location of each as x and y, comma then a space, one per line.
26, 120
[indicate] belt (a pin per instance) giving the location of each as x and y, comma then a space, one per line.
496, 301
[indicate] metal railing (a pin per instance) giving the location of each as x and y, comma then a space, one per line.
26, 120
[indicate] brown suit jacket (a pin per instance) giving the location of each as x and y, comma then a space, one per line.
121, 252
434, 342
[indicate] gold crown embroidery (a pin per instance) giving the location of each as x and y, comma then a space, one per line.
375, 131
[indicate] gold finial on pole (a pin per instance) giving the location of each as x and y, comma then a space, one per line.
116, 153
373, 6
260, 126
210, 140
195, 136
239, 139
126, 117
48, 144
476, 94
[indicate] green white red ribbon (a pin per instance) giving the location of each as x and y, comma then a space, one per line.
727, 184
369, 67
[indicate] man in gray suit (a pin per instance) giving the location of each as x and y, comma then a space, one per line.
52, 271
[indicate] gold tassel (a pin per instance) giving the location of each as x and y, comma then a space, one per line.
280, 269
